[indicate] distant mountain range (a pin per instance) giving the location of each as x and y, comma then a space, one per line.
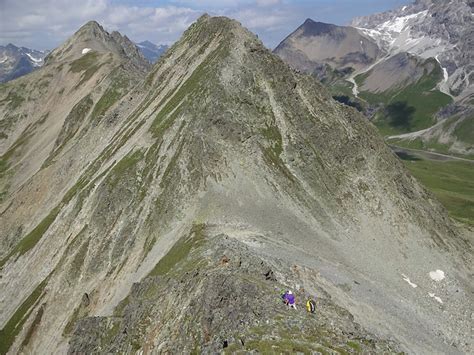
151, 51
18, 61
410, 69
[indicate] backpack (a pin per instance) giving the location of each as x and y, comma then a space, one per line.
310, 306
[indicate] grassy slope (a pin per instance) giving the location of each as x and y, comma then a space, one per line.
421, 96
452, 182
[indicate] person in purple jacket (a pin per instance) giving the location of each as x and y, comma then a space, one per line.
289, 299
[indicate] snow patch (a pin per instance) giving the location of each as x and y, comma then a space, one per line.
34, 59
86, 50
445, 71
404, 8
399, 23
355, 87
36, 62
432, 295
3, 60
437, 275
445, 74
405, 278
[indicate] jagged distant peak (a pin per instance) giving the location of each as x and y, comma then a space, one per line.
18, 61
151, 51
92, 37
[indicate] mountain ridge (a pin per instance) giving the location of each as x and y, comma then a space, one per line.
220, 149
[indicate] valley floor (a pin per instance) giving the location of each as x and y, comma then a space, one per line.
451, 179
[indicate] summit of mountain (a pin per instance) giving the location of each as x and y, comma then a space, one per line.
93, 38
314, 46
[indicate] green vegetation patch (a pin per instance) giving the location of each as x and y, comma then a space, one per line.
71, 125
124, 166
179, 251
411, 108
15, 323
164, 118
451, 181
431, 145
11, 154
88, 64
33, 327
85, 62
272, 134
32, 238
111, 96
13, 100
465, 130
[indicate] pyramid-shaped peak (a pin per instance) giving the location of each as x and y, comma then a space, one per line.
224, 28
92, 24
93, 38
92, 30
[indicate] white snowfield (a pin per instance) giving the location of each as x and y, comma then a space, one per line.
36, 62
398, 24
86, 50
396, 36
437, 275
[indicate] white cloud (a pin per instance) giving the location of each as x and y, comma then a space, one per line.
47, 23
268, 2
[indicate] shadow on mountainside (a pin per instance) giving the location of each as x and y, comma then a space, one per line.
400, 114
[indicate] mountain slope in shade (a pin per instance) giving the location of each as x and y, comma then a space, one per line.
151, 51
203, 191
17, 61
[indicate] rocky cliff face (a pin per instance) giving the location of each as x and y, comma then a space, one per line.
183, 205
429, 28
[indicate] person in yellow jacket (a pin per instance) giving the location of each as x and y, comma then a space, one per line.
310, 305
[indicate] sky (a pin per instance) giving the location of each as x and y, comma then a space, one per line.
45, 24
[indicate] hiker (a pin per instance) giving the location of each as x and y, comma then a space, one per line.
310, 305
289, 299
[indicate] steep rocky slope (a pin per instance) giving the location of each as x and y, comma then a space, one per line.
326, 50
190, 202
